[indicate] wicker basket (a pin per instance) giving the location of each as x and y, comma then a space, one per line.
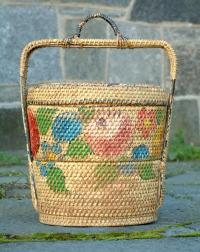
97, 152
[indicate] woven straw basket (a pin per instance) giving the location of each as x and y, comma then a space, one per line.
97, 152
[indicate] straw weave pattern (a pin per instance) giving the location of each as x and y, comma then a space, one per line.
97, 153
97, 161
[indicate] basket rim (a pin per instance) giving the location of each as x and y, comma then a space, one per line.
97, 84
66, 93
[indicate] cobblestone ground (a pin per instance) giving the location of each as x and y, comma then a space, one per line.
179, 216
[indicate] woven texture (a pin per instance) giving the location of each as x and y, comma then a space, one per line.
91, 194
97, 162
58, 93
97, 152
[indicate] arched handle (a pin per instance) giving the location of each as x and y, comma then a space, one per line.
102, 16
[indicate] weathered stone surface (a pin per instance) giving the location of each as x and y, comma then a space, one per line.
155, 245
9, 93
11, 129
186, 44
181, 35
188, 74
23, 170
45, 65
85, 64
19, 25
13, 179
186, 116
99, 2
30, 2
189, 178
18, 193
138, 31
85, 11
159, 10
138, 65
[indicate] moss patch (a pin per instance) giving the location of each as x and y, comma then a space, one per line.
192, 234
149, 234
2, 192
179, 150
184, 224
7, 159
12, 174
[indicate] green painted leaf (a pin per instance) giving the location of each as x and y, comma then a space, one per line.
78, 148
56, 180
159, 116
44, 117
146, 172
123, 159
86, 113
105, 173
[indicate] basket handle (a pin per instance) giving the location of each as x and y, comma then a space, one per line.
86, 43
102, 16
93, 43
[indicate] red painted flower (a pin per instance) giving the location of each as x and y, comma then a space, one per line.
33, 132
109, 133
146, 122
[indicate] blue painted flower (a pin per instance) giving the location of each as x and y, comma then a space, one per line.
50, 164
43, 170
44, 146
44, 167
66, 127
51, 149
140, 152
127, 169
56, 148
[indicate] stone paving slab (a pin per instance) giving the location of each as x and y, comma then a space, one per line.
13, 169
164, 245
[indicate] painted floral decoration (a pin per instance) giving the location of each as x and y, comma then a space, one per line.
50, 151
78, 148
34, 133
44, 166
54, 176
126, 169
66, 127
140, 152
146, 171
44, 117
109, 133
147, 122
105, 173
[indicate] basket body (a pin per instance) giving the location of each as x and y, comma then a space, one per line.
98, 152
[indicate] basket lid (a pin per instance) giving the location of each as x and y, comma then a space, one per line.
96, 93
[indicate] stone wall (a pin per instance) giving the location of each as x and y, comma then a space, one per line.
176, 21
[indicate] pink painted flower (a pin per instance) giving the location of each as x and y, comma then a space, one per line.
146, 122
109, 133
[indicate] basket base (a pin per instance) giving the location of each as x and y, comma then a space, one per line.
91, 221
